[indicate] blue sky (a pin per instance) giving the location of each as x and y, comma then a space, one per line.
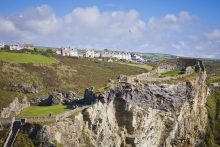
207, 10
180, 27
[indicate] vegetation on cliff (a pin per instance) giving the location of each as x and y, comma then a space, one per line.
23, 140
213, 105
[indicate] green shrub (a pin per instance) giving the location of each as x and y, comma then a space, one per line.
23, 140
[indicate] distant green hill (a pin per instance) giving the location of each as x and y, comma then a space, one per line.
45, 48
156, 56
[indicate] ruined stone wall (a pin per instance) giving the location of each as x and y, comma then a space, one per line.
181, 64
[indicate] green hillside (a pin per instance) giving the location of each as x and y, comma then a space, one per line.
156, 56
212, 138
25, 58
73, 74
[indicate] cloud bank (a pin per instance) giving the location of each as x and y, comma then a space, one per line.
122, 30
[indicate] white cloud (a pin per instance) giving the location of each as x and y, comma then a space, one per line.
214, 34
124, 30
6, 26
172, 21
179, 45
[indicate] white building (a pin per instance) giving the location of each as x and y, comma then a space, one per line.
58, 51
28, 46
90, 53
16, 47
2, 45
21, 46
136, 57
68, 51
115, 54
97, 55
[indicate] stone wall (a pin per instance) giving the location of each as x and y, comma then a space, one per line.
38, 119
54, 118
69, 113
180, 63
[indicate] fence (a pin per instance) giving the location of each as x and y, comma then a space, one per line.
11, 121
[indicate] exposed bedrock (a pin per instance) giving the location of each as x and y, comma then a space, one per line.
139, 114
14, 108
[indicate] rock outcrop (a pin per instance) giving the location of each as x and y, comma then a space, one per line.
24, 87
179, 63
137, 113
56, 98
14, 108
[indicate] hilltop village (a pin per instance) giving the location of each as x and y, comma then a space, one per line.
108, 54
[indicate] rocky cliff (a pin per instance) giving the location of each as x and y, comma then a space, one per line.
136, 113
14, 108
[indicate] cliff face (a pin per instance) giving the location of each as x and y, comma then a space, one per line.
137, 113
14, 108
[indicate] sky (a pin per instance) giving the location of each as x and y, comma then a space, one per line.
180, 27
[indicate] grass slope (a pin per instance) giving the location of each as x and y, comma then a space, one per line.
69, 74
213, 105
44, 110
170, 73
25, 58
144, 66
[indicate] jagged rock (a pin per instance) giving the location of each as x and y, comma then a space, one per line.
15, 107
89, 96
40, 134
179, 63
41, 101
56, 98
24, 87
138, 114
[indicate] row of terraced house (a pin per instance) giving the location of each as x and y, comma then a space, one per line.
18, 46
91, 53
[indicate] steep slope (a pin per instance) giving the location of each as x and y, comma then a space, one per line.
36, 80
135, 112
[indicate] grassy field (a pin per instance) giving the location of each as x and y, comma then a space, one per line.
25, 58
44, 110
168, 74
171, 73
144, 66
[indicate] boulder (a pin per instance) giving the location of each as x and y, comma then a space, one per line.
24, 87
41, 101
89, 96
57, 98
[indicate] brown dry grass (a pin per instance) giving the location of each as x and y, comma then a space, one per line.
70, 74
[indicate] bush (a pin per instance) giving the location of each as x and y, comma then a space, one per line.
6, 48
